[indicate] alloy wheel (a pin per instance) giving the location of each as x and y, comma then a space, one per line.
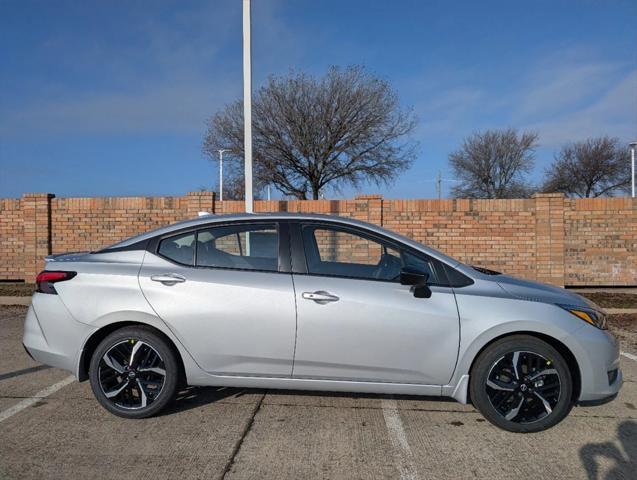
523, 387
132, 374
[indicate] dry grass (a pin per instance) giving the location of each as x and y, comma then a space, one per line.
612, 300
624, 327
16, 289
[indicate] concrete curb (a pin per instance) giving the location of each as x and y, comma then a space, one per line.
614, 311
628, 290
15, 301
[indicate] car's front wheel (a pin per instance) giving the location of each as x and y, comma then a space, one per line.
134, 372
521, 384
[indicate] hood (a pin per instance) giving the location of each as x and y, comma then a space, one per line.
541, 292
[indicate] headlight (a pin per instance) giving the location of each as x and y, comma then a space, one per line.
590, 315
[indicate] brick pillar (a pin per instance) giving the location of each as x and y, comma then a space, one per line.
36, 217
200, 202
549, 238
369, 208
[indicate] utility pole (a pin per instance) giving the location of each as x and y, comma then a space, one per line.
438, 181
632, 169
439, 185
247, 106
221, 150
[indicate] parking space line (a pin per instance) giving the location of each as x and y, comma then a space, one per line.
398, 440
629, 355
27, 402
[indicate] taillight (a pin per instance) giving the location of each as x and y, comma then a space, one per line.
45, 280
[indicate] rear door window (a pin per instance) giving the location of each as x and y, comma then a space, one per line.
244, 247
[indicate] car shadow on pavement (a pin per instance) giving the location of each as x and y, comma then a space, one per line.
625, 462
355, 395
24, 371
193, 397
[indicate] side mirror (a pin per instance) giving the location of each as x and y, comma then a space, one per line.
418, 280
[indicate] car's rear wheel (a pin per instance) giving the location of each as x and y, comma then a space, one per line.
522, 384
134, 372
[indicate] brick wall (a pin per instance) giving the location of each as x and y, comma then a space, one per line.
11, 239
600, 241
547, 238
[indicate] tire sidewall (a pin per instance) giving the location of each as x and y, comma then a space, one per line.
167, 354
494, 352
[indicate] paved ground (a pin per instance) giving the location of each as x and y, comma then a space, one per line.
236, 434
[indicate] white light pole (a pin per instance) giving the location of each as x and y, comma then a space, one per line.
632, 169
221, 150
247, 105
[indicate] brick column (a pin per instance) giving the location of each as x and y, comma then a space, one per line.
200, 202
549, 238
36, 217
369, 208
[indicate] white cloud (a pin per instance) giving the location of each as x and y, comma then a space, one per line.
174, 76
614, 113
166, 108
565, 97
564, 86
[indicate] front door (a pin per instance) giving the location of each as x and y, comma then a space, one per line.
357, 322
221, 290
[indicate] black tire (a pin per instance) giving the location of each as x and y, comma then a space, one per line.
518, 399
147, 391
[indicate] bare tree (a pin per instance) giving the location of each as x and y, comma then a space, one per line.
344, 128
591, 168
492, 164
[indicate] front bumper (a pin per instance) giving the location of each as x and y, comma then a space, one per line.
597, 403
597, 354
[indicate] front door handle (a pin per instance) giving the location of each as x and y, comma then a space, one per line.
168, 278
320, 297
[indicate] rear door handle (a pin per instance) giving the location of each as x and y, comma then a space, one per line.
320, 296
168, 278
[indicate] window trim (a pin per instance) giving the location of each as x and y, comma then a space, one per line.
298, 249
283, 240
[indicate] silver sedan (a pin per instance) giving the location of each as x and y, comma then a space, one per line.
315, 302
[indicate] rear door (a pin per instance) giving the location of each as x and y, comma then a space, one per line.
357, 322
227, 293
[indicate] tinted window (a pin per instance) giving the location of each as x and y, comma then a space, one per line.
342, 252
422, 264
457, 279
246, 247
179, 248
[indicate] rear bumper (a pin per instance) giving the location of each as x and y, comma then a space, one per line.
51, 335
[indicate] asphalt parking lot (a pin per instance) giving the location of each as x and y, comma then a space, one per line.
239, 434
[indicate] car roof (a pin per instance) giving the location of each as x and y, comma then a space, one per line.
212, 219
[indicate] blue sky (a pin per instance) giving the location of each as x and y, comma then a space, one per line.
111, 97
